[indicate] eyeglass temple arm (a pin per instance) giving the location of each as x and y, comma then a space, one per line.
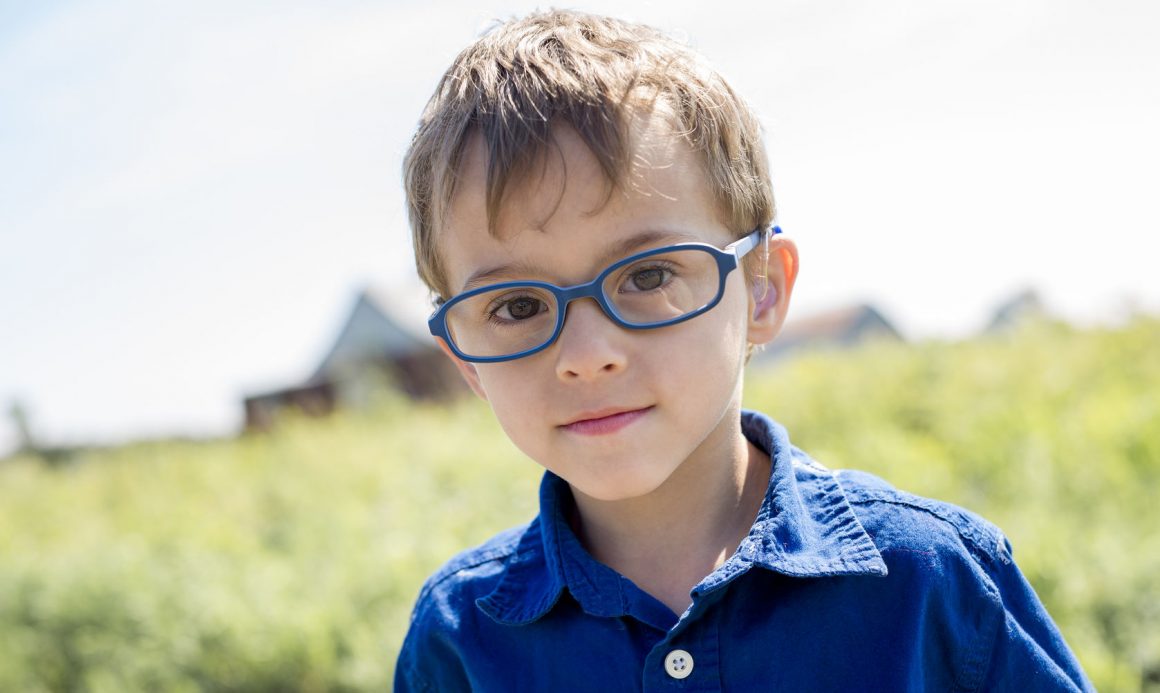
742, 246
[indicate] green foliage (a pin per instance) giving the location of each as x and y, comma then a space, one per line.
1050, 433
272, 563
290, 561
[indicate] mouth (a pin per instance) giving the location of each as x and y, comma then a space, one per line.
604, 421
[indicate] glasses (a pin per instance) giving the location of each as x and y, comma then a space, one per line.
654, 288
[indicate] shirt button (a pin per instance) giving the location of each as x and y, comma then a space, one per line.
679, 664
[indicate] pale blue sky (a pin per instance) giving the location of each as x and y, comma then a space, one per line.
191, 194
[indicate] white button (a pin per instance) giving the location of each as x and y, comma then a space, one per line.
679, 664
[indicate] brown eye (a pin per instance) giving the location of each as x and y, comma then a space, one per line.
524, 308
648, 279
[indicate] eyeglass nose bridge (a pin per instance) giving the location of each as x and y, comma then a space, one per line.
593, 290
566, 296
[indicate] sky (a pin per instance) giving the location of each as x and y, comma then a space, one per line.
192, 194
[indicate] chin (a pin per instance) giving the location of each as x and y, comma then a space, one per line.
619, 487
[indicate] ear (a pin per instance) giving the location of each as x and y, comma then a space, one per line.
465, 368
767, 313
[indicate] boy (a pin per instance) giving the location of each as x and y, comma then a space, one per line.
591, 204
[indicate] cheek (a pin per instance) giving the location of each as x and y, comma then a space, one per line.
511, 392
736, 310
722, 330
707, 350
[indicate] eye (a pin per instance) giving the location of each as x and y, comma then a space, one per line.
647, 278
524, 308
517, 308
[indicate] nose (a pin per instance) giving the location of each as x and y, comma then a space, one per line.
590, 345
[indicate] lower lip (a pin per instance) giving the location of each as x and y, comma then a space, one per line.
605, 424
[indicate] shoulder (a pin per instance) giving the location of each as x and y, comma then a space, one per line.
431, 656
468, 575
945, 570
901, 521
961, 567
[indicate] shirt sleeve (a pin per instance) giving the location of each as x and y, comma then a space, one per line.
1028, 653
427, 662
407, 682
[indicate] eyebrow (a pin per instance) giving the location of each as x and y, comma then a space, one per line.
612, 253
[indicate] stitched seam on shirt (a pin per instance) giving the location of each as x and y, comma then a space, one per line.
496, 554
978, 663
974, 538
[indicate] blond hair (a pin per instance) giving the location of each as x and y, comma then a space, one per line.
523, 77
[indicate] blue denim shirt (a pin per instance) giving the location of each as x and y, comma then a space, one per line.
843, 584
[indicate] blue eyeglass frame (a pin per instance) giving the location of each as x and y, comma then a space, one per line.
727, 258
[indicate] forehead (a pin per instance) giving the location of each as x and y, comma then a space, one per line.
560, 218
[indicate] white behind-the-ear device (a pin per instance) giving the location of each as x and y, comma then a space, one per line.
764, 294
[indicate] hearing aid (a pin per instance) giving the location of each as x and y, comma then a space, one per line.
764, 294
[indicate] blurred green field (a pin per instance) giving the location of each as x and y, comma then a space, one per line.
290, 561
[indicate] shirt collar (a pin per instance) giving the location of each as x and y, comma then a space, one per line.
804, 528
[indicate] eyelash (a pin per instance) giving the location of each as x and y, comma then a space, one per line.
499, 303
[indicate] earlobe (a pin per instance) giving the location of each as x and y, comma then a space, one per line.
466, 369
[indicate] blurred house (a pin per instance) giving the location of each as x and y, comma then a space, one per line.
1022, 307
837, 328
378, 347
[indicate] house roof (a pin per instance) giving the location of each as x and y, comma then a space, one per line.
382, 324
843, 326
832, 323
1021, 306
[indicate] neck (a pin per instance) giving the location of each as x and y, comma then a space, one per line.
671, 538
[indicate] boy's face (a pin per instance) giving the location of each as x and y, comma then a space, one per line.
614, 412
